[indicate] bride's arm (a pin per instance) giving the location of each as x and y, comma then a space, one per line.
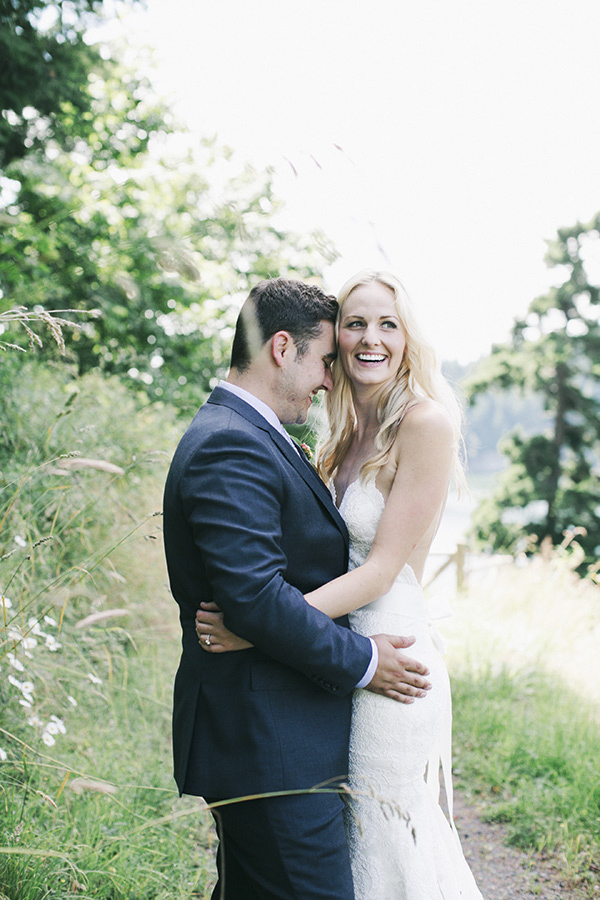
424, 448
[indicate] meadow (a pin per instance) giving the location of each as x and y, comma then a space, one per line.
89, 643
523, 656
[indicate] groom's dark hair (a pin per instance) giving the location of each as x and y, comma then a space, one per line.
280, 304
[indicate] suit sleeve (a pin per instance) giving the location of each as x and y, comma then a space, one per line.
233, 502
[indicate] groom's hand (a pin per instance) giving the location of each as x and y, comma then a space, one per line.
398, 676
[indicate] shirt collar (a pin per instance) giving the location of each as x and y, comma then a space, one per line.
261, 408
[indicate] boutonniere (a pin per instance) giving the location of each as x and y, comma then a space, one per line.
307, 451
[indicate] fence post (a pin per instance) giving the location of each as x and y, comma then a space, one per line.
461, 552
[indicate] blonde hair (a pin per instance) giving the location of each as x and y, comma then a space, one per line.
419, 378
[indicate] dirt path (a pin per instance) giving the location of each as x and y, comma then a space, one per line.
505, 873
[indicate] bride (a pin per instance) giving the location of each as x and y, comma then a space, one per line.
392, 449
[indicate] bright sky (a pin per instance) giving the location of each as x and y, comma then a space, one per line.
443, 140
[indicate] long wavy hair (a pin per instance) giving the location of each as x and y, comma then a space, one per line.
419, 377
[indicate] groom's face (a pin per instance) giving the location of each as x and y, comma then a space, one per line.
306, 375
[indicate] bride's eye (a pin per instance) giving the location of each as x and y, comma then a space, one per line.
356, 322
389, 324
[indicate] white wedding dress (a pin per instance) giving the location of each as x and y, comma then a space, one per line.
402, 846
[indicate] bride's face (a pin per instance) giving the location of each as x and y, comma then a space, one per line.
371, 340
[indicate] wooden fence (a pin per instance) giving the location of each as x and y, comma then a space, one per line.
466, 564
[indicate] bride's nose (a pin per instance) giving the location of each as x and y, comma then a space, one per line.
370, 336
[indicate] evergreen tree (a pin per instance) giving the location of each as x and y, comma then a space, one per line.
552, 483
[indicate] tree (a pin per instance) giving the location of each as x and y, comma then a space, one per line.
44, 65
163, 244
552, 483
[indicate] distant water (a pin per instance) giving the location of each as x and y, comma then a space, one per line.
453, 530
455, 524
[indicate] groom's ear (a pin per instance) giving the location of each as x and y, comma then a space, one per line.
282, 344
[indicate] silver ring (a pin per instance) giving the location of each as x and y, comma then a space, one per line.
207, 640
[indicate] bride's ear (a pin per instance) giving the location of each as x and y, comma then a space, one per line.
282, 344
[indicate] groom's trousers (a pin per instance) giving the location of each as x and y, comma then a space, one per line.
283, 848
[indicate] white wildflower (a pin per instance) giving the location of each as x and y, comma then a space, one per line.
48, 739
6, 602
72, 700
50, 621
28, 643
14, 681
28, 687
34, 626
94, 679
26, 704
19, 541
13, 634
52, 644
3, 755
15, 663
52, 728
59, 724
35, 721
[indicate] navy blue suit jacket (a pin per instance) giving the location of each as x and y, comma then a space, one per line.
249, 524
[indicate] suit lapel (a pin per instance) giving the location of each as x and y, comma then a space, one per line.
302, 466
310, 476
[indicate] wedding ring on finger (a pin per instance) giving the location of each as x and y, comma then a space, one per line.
204, 639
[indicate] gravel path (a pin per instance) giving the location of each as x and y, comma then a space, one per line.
506, 873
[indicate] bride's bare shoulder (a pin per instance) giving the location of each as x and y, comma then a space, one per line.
426, 416
425, 435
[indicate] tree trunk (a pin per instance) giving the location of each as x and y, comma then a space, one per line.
558, 442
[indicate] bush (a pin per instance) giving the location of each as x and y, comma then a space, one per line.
88, 646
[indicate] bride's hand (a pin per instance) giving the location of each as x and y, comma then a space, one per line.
213, 636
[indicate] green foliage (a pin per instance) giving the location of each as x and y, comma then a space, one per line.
538, 774
98, 811
68, 470
552, 483
525, 672
118, 216
88, 646
44, 65
164, 245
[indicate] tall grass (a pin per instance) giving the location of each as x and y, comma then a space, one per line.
523, 655
88, 646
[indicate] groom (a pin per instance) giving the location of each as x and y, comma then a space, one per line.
249, 524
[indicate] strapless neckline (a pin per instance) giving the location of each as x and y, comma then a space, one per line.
369, 486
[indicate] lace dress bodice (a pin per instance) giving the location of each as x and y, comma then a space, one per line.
361, 509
